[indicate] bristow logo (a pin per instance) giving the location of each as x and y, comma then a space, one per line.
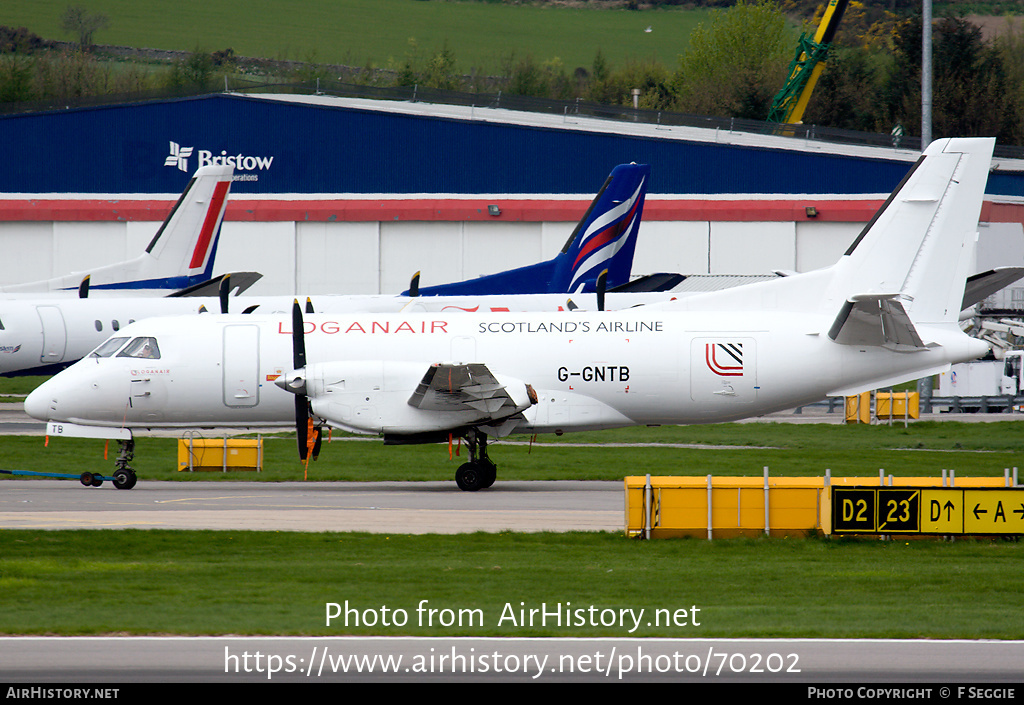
179, 157
9, 348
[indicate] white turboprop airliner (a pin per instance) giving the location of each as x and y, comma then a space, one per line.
886, 312
180, 255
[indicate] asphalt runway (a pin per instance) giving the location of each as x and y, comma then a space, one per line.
377, 507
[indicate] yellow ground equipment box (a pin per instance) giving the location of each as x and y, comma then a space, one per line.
897, 406
858, 408
220, 454
889, 407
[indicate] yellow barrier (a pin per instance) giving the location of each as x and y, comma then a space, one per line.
220, 454
720, 507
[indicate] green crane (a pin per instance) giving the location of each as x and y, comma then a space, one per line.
791, 102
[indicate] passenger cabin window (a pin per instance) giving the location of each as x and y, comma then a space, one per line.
144, 348
108, 348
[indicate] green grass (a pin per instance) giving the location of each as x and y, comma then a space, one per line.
160, 582
354, 32
925, 448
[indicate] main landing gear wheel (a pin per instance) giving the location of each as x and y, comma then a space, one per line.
480, 472
125, 478
489, 470
468, 477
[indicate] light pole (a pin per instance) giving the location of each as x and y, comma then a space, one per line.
926, 74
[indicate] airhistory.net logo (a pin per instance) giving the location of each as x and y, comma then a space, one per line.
179, 157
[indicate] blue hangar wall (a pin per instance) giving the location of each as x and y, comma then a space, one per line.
284, 148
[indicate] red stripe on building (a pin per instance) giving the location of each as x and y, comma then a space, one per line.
465, 210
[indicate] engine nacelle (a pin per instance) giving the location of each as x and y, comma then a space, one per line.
374, 396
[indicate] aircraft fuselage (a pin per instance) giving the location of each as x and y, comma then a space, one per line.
593, 370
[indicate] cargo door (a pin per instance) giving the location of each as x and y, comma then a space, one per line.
241, 365
55, 334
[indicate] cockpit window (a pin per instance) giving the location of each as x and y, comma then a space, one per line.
145, 348
108, 348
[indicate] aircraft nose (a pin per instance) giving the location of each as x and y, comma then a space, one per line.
38, 402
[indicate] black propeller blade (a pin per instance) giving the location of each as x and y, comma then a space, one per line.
414, 285
225, 289
83, 288
304, 425
299, 363
602, 284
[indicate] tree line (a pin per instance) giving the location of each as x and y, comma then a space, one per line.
734, 65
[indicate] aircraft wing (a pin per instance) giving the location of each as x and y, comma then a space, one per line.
462, 387
979, 286
876, 319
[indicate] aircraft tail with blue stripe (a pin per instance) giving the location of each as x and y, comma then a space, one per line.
604, 239
180, 255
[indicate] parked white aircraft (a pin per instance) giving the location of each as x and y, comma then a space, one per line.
180, 255
886, 312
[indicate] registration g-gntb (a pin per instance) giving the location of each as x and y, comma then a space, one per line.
886, 312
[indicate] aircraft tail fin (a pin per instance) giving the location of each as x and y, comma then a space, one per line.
181, 254
910, 263
605, 238
183, 251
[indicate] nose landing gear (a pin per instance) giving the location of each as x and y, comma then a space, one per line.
124, 477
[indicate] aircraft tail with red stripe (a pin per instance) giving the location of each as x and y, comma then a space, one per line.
604, 239
180, 255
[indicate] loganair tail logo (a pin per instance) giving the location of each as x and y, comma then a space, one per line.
724, 359
179, 158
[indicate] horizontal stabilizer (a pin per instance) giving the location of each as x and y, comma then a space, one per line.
662, 281
240, 281
876, 319
983, 285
